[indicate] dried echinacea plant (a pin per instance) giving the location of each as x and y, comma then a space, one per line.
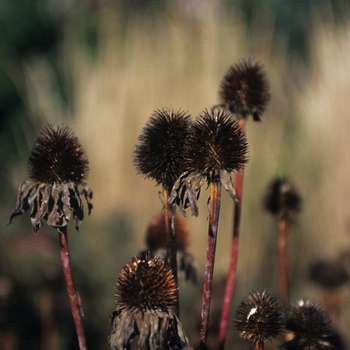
259, 317
330, 275
215, 147
145, 296
283, 201
244, 91
156, 242
58, 168
311, 326
159, 155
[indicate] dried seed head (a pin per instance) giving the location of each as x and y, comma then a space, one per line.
146, 283
282, 199
57, 168
245, 89
156, 236
259, 317
328, 273
57, 156
311, 326
160, 152
145, 294
215, 142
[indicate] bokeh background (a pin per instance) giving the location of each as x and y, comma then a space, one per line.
102, 67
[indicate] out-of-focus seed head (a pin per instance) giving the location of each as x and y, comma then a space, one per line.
156, 236
282, 199
311, 326
160, 152
245, 89
146, 283
216, 142
57, 156
259, 317
57, 169
328, 273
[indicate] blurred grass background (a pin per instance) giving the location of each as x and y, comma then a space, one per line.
102, 68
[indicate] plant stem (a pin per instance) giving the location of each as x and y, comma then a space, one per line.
258, 346
170, 226
282, 255
231, 276
214, 211
62, 234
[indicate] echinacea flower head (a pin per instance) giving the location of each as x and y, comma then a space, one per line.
160, 152
259, 317
216, 146
311, 326
145, 295
245, 90
282, 199
58, 168
328, 273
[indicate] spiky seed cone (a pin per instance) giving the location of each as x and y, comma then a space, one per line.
328, 273
259, 317
282, 199
215, 142
245, 89
57, 169
146, 283
160, 152
311, 325
57, 156
156, 237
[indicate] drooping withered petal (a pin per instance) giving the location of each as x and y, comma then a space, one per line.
58, 168
215, 147
160, 152
282, 199
145, 295
311, 326
259, 317
245, 90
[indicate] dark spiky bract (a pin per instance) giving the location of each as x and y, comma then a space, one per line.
259, 317
145, 295
311, 326
328, 273
245, 89
160, 152
146, 283
57, 169
282, 199
215, 142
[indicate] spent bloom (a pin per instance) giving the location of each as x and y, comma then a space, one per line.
159, 153
282, 199
145, 295
259, 317
311, 326
245, 90
215, 147
58, 168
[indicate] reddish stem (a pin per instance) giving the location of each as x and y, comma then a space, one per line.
72, 294
214, 211
231, 276
282, 255
170, 227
